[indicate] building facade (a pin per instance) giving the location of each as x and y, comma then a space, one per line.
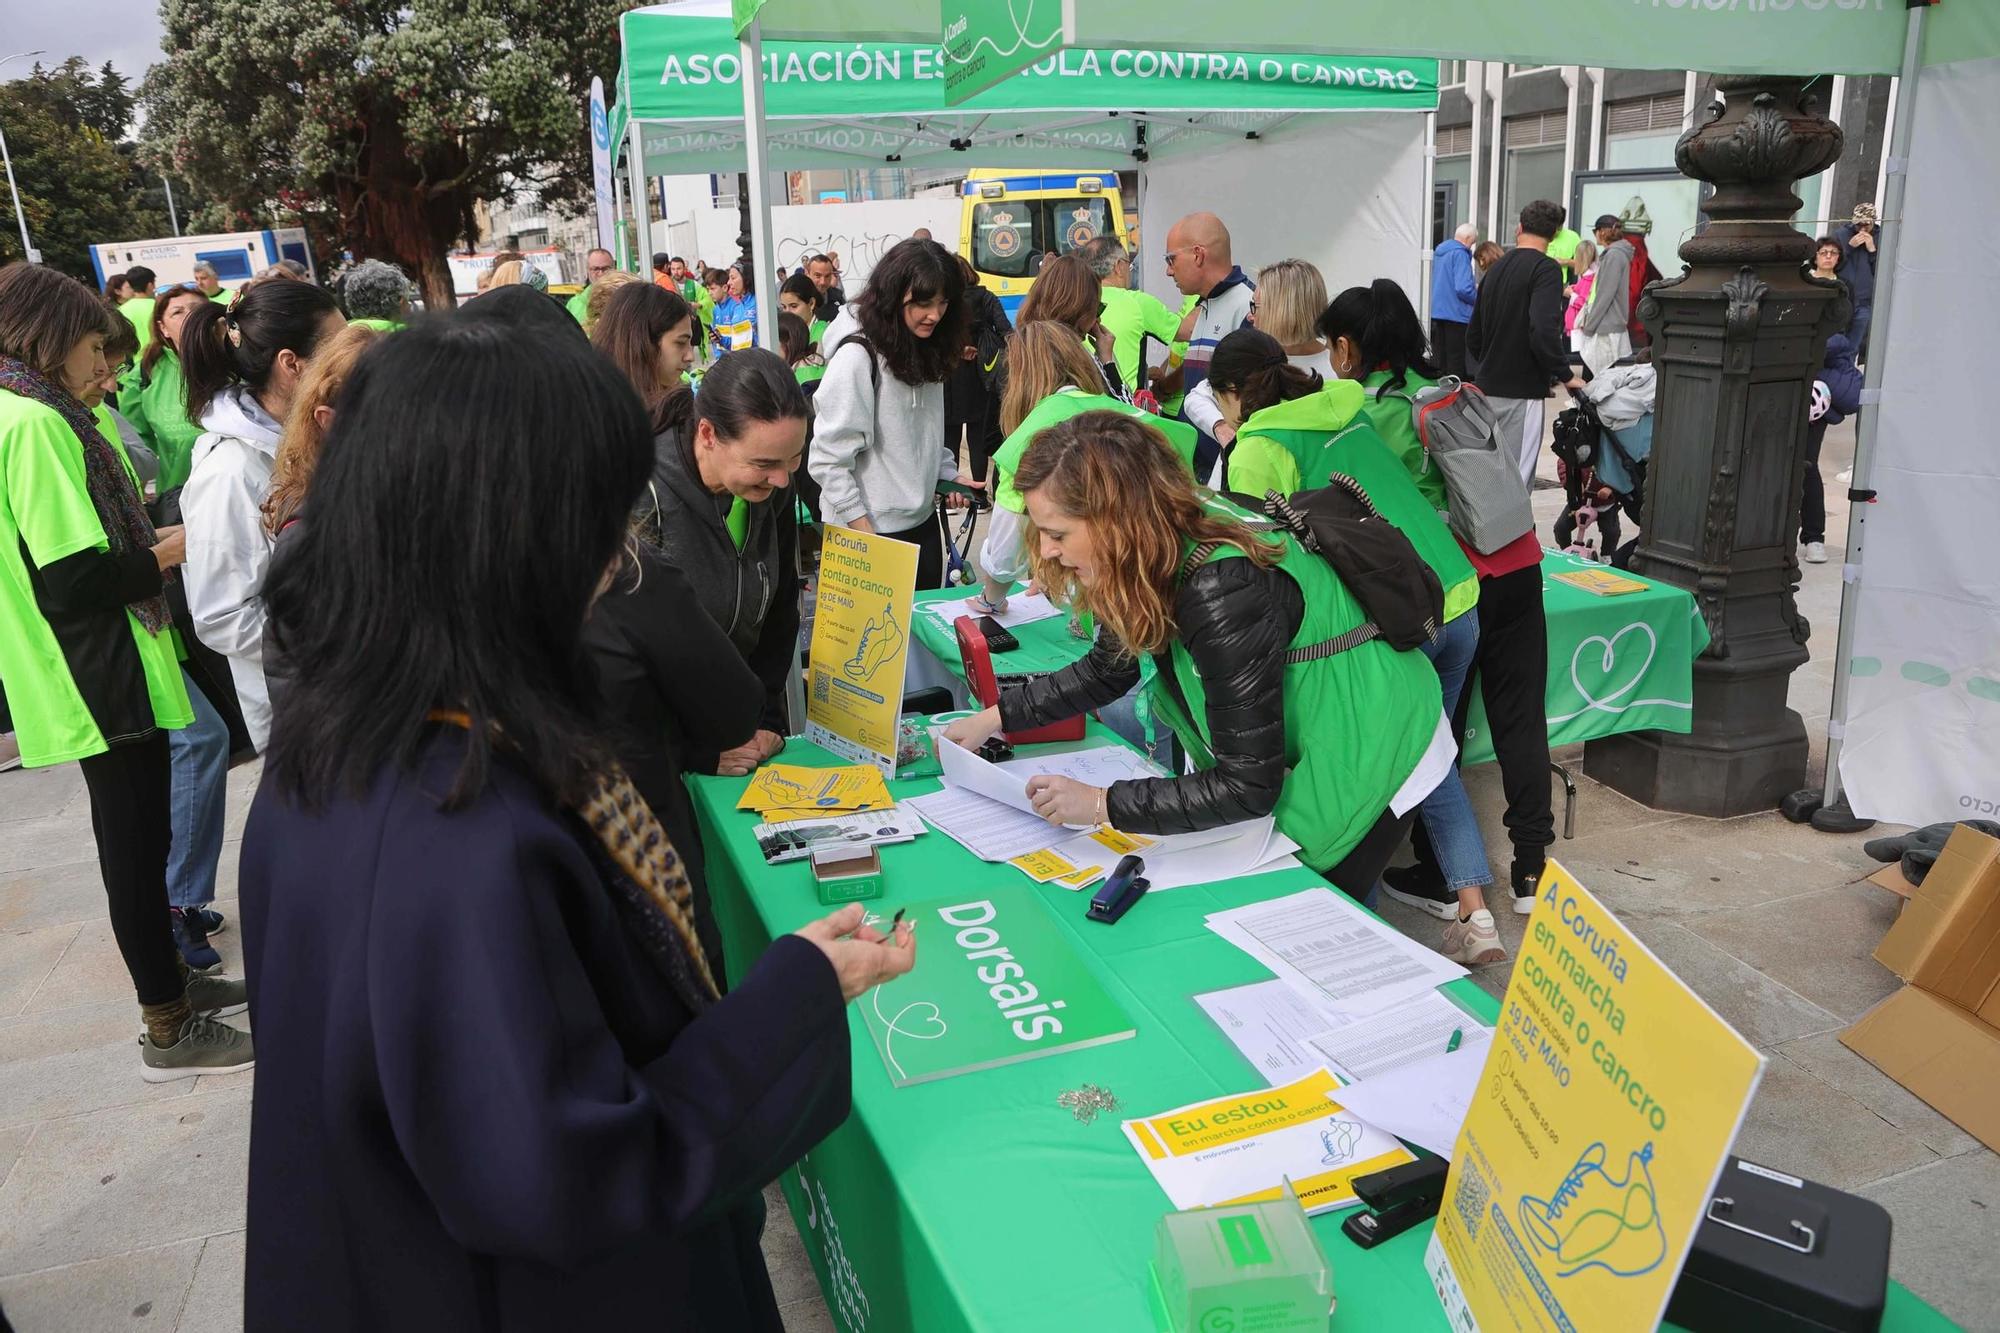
1593, 139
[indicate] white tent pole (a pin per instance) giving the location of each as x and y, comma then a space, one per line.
1493, 196
1573, 77
1895, 165
1475, 88
1889, 134
1425, 213
1596, 117
758, 151
635, 169
1836, 108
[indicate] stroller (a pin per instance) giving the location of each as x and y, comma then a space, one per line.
1603, 469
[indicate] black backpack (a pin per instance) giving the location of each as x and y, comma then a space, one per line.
1398, 591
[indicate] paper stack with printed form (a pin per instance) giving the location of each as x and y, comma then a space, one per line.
985, 807
1335, 955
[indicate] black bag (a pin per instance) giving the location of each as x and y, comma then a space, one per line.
1399, 593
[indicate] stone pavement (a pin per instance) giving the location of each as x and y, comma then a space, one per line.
122, 1202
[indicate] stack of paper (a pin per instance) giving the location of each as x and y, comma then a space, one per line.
782, 792
1284, 1035
1424, 1102
795, 839
1334, 955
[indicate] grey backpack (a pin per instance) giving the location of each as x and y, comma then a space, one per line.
1482, 480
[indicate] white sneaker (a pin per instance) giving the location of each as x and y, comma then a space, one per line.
1815, 553
1473, 942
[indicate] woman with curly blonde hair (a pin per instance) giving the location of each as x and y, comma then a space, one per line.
1339, 743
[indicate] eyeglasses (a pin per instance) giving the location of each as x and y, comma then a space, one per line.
599, 270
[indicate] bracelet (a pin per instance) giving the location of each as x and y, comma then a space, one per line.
1104, 805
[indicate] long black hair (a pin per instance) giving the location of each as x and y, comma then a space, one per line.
474, 488
240, 345
915, 270
1380, 321
751, 386
1251, 364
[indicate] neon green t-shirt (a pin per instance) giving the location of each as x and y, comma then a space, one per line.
139, 309
45, 511
579, 305
380, 325
221, 295
1131, 316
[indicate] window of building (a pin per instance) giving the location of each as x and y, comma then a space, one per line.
1527, 69
1451, 73
1534, 166
1454, 140
1642, 132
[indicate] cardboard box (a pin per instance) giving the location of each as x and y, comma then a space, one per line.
1890, 877
1940, 1035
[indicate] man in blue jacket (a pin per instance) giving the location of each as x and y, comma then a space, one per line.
1857, 265
1452, 293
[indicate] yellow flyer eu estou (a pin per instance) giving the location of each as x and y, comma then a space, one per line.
1602, 1119
1243, 1148
860, 644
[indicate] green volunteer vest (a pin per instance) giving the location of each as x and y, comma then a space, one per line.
1326, 432
158, 411
1395, 421
1356, 723
1061, 406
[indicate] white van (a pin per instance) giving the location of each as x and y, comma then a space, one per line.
236, 256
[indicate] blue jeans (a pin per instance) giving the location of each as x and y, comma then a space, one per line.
199, 758
1447, 812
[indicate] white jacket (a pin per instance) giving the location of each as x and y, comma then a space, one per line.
227, 547
876, 453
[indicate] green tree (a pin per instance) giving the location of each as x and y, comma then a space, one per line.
80, 182
391, 116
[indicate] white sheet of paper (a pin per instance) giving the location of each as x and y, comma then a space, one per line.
1424, 1102
1253, 847
1269, 1023
1284, 1036
989, 830
1021, 610
1098, 765
968, 772
1334, 954
1371, 1045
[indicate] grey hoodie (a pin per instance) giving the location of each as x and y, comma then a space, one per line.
227, 547
876, 454
1609, 310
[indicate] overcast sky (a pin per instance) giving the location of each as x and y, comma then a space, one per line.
125, 32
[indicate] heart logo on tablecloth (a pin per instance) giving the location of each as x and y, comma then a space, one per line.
1598, 658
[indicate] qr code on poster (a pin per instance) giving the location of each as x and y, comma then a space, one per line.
1471, 1196
822, 686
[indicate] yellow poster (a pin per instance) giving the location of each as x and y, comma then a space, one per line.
860, 642
1601, 1122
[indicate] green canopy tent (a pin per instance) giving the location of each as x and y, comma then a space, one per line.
1721, 36
1934, 690
681, 100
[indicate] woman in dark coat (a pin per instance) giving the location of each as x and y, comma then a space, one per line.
720, 508
500, 1089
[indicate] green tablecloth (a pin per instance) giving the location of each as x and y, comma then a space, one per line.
977, 1202
1615, 663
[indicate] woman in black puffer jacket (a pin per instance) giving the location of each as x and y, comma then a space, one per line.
1340, 748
